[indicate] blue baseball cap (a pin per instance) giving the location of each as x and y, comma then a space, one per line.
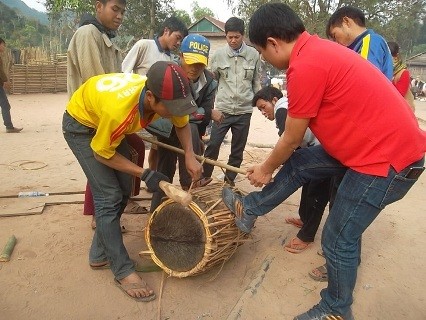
195, 49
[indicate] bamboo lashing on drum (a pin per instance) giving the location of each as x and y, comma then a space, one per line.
198, 157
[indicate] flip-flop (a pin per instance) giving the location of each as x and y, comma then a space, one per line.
135, 208
295, 222
320, 253
199, 183
125, 287
106, 265
296, 247
203, 182
322, 270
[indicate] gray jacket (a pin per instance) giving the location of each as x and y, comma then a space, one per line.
238, 77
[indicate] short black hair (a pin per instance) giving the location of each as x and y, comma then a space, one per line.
394, 48
267, 94
2, 41
276, 20
234, 24
336, 18
173, 24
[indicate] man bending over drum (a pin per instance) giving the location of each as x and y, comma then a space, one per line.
97, 118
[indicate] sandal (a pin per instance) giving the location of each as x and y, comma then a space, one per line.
319, 273
143, 285
294, 247
102, 266
134, 208
198, 184
295, 222
106, 265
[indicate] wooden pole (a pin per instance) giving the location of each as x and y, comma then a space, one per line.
8, 249
199, 158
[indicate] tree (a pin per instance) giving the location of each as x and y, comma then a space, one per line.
184, 16
19, 31
77, 6
142, 18
200, 12
397, 20
422, 33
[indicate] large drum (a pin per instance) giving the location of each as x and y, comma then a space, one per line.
186, 241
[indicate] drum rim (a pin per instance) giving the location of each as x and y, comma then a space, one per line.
207, 247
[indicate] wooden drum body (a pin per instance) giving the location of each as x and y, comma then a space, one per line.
186, 241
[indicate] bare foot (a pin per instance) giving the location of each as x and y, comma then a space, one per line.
141, 290
93, 223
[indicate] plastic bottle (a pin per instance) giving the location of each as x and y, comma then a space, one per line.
32, 194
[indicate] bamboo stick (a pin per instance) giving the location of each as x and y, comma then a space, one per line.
198, 157
8, 249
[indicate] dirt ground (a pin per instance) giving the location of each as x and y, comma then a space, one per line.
48, 276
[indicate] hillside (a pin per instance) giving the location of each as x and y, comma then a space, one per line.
26, 11
20, 31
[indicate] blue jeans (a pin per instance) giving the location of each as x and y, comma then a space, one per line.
5, 109
359, 200
111, 190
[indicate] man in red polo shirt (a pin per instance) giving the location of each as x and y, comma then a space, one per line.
367, 132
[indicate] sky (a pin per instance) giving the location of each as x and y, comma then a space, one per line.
217, 6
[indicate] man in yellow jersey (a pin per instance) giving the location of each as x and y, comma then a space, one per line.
97, 118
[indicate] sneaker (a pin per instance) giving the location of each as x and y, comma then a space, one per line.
13, 130
317, 314
234, 202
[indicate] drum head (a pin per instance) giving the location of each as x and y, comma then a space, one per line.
177, 237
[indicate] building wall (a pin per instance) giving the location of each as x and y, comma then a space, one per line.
417, 72
216, 43
417, 67
204, 26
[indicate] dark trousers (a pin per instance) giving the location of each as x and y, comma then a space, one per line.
240, 126
5, 109
314, 199
167, 159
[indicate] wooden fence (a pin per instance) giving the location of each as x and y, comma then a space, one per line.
33, 70
42, 78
